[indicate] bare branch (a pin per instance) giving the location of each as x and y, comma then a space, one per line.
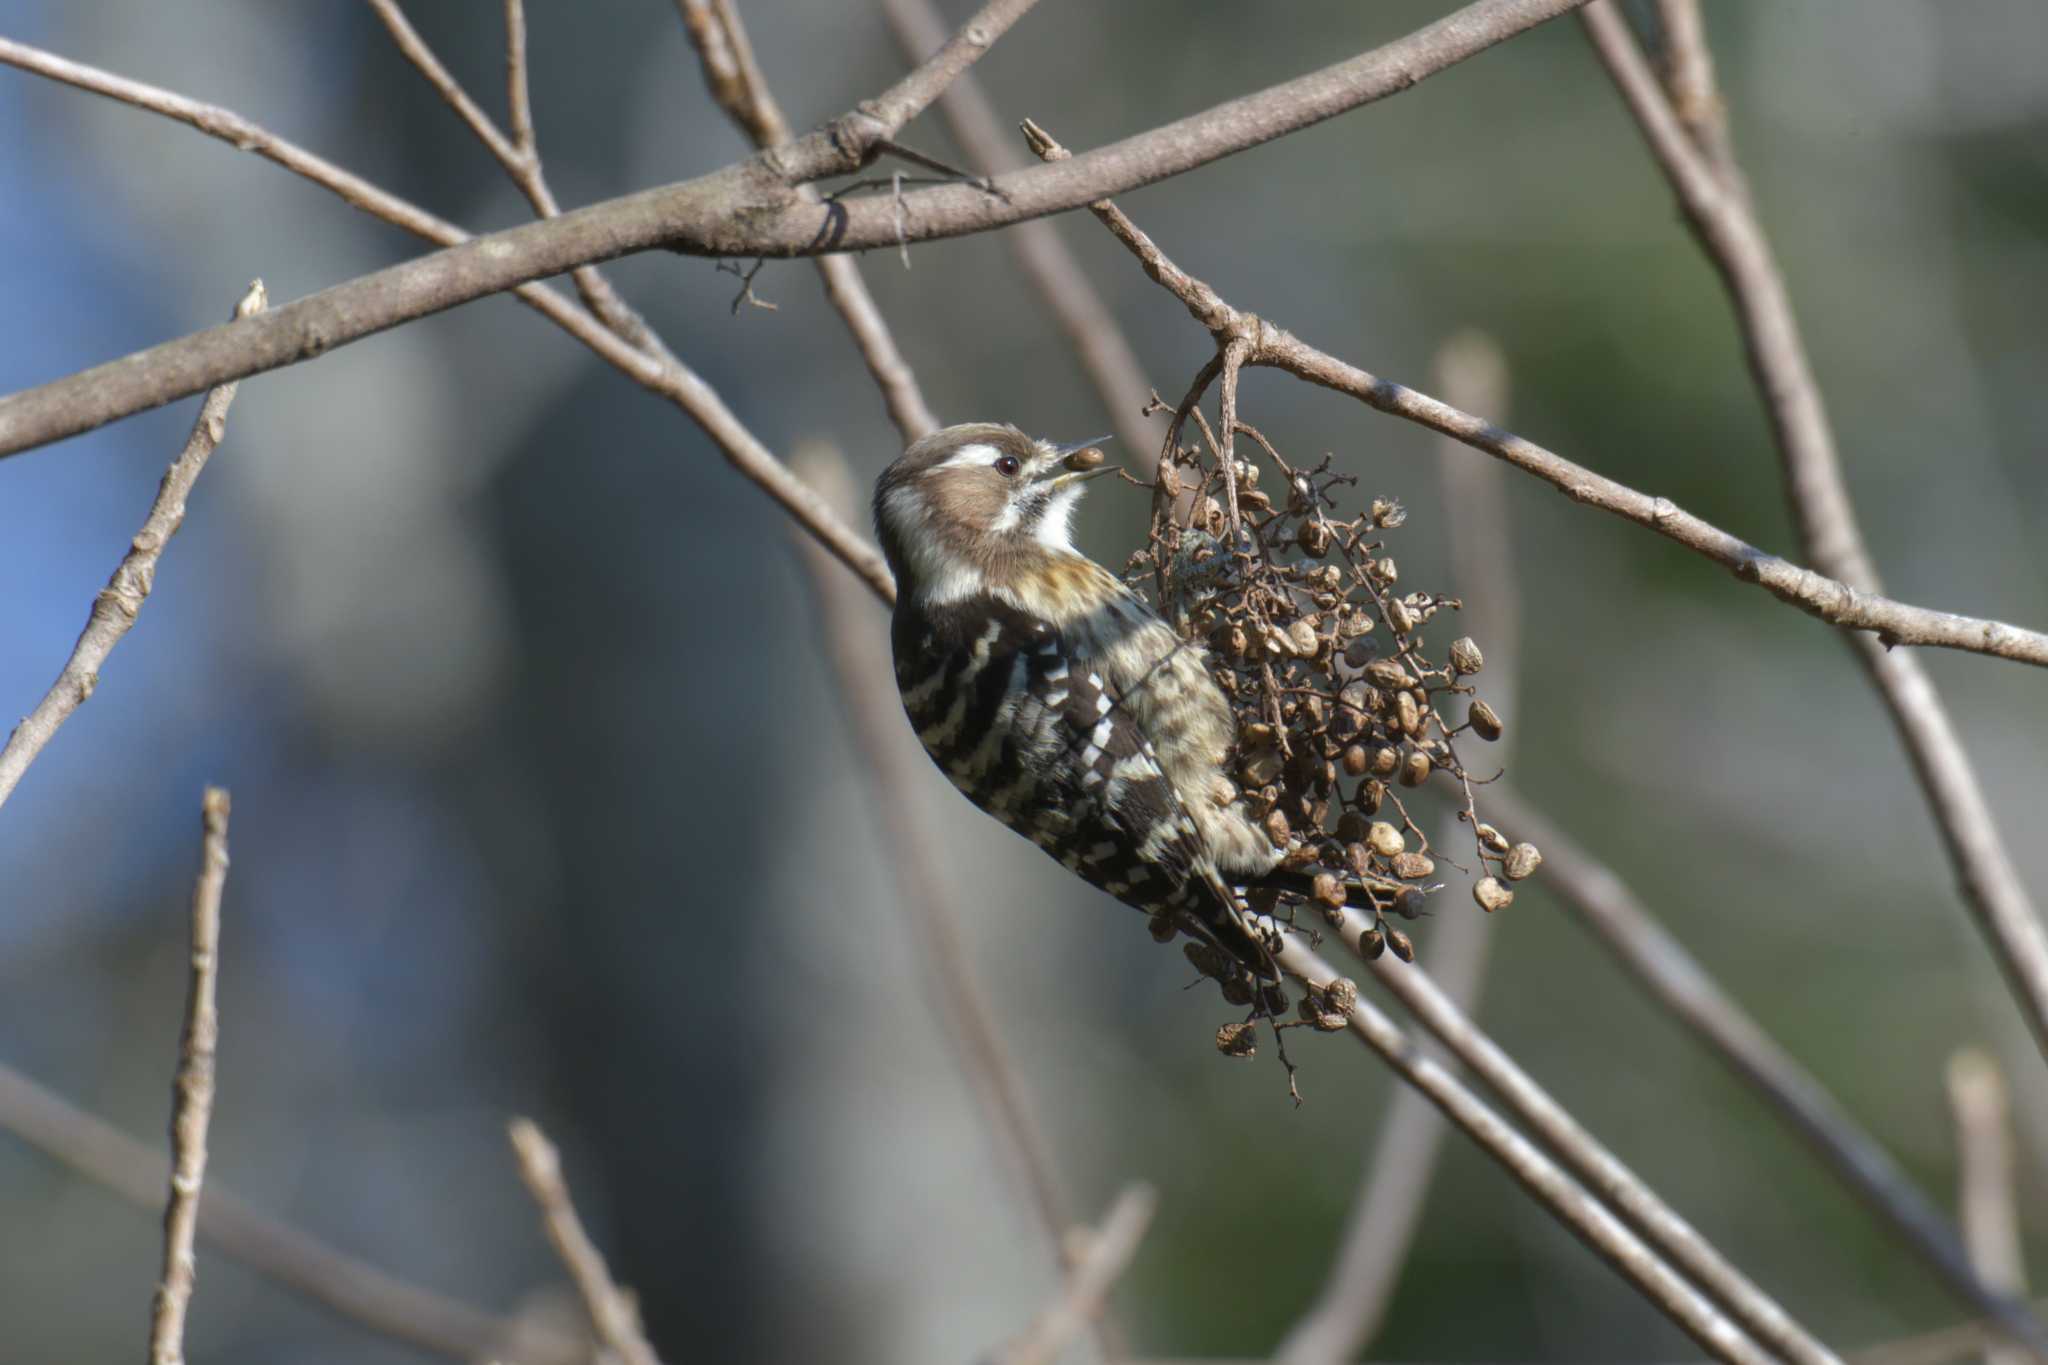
1721, 216
611, 1309
749, 209
518, 89
1660, 1225
1091, 329
1838, 603
120, 602
192, 1109
1662, 967
1350, 1307
1102, 1261
736, 82
1984, 1194
351, 1289
1589, 1219
659, 374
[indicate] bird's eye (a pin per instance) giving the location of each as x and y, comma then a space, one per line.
1008, 465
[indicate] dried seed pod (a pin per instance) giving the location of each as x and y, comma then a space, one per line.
1162, 928
1252, 499
1169, 480
1412, 866
1089, 458
1388, 674
1328, 889
1415, 770
1407, 714
1371, 944
1355, 760
1331, 1023
1492, 838
1370, 793
1388, 513
1522, 861
1485, 723
1340, 996
1260, 766
1276, 1001
1314, 539
1276, 827
1257, 733
1308, 1007
1361, 650
1400, 616
1465, 656
1408, 903
1237, 1040
1247, 473
1403, 946
1314, 708
1207, 959
1384, 839
1351, 827
1385, 759
1229, 640
1236, 991
1492, 895
1387, 570
1301, 638
1345, 723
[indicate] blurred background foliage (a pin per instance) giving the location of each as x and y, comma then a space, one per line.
544, 801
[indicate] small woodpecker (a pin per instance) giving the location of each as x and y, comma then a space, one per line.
1052, 696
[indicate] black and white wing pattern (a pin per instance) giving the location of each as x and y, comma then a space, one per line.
1031, 731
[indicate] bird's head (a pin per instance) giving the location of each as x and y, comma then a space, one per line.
974, 504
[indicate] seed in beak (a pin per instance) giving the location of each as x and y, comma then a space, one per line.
1087, 458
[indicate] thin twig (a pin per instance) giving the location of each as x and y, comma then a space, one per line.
120, 602
519, 155
747, 209
612, 1311
192, 1108
1891, 623
1588, 1218
736, 83
1387, 1211
1733, 239
1984, 1181
1102, 1262
518, 89
1604, 903
1660, 1225
352, 1289
875, 719
666, 377
1091, 329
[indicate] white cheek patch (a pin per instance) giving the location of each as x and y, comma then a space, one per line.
943, 576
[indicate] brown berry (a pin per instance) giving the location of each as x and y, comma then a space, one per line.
1237, 1040
1385, 839
1415, 771
1492, 895
1403, 946
1314, 539
1090, 458
1412, 866
1355, 760
1371, 944
1522, 861
1328, 889
1485, 723
1465, 656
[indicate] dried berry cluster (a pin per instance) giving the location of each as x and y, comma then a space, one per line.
1344, 715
